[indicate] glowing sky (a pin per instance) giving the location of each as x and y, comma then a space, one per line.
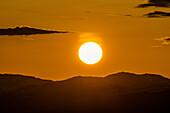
130, 41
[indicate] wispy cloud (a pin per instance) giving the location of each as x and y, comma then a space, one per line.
155, 3
157, 46
157, 14
164, 40
128, 15
89, 37
31, 39
27, 31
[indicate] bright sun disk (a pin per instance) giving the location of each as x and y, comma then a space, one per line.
90, 53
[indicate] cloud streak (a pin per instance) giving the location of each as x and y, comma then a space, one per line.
155, 3
31, 39
27, 31
164, 40
157, 14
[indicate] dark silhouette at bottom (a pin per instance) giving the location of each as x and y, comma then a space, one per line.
118, 93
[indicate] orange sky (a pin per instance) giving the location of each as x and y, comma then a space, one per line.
128, 42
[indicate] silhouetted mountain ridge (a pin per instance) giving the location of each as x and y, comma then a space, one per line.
10, 82
123, 79
119, 93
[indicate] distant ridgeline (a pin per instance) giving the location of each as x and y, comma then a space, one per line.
26, 31
117, 93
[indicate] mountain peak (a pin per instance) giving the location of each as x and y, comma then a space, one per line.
121, 74
133, 75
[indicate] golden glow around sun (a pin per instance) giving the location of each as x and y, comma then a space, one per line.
90, 53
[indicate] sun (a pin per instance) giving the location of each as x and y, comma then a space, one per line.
90, 53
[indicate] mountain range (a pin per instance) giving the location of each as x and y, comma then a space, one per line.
122, 92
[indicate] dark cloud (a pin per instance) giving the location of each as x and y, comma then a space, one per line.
156, 3
167, 39
157, 14
128, 15
27, 31
164, 40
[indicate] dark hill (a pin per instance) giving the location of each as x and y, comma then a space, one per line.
26, 31
117, 93
11, 82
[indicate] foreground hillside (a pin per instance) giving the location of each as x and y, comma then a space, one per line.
118, 93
